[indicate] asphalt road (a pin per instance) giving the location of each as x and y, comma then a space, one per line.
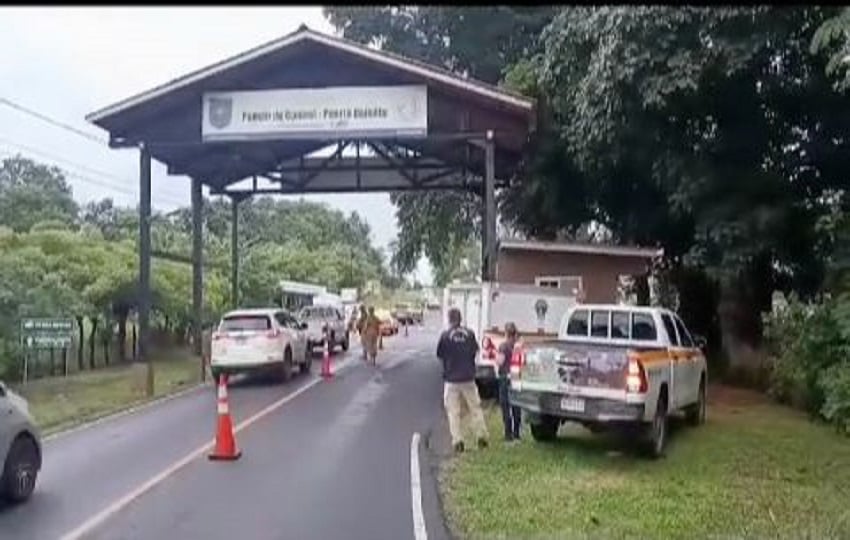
332, 461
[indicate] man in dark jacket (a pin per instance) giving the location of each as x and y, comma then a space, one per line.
510, 415
457, 350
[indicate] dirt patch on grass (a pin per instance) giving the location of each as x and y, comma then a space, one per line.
729, 396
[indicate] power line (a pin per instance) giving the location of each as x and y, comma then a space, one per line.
67, 127
54, 157
170, 195
100, 183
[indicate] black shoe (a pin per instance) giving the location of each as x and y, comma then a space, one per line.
458, 447
482, 443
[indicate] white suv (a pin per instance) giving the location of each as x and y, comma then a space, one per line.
252, 340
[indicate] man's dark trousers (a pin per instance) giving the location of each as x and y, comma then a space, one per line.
511, 416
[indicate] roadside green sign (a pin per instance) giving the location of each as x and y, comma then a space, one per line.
47, 333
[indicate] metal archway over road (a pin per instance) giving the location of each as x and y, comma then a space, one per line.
264, 113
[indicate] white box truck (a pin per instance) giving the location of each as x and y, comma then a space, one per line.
487, 307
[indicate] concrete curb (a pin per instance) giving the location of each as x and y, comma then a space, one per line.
123, 412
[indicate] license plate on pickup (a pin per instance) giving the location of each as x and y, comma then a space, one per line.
572, 404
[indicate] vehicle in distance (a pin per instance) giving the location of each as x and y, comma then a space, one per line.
403, 314
612, 366
321, 319
389, 324
20, 447
259, 340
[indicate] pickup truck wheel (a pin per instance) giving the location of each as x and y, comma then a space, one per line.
657, 430
695, 414
546, 429
308, 361
286, 367
346, 343
20, 470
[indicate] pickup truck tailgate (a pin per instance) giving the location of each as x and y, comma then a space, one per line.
559, 365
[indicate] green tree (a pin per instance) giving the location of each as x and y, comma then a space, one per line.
31, 192
479, 42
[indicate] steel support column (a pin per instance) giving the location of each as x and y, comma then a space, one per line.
488, 236
197, 267
144, 299
234, 251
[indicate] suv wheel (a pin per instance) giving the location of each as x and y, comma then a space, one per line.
695, 414
545, 429
286, 367
346, 343
20, 470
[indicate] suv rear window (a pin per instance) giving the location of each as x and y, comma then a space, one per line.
245, 323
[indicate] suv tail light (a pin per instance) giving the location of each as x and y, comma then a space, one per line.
517, 361
636, 377
488, 350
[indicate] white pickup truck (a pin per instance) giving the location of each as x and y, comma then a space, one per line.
321, 319
612, 366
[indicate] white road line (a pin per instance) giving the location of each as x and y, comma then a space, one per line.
90, 524
419, 532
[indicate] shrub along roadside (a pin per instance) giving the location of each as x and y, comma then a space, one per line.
810, 369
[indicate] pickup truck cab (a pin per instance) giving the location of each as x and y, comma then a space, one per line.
323, 319
612, 366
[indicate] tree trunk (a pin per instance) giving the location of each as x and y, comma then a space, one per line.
92, 341
122, 336
64, 362
52, 362
81, 345
106, 353
135, 344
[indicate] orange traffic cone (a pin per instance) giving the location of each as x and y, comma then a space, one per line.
225, 443
326, 362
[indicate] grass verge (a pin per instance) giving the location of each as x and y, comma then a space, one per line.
60, 403
754, 470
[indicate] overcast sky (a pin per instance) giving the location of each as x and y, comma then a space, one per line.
68, 62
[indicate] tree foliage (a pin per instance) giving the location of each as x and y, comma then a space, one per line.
478, 42
31, 192
58, 260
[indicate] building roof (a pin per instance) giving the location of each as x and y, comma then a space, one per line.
167, 120
303, 33
574, 247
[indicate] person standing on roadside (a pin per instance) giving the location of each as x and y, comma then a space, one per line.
372, 332
511, 416
457, 350
361, 329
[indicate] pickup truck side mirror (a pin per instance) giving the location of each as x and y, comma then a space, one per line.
700, 341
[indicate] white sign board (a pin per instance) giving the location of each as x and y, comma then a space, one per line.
350, 111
